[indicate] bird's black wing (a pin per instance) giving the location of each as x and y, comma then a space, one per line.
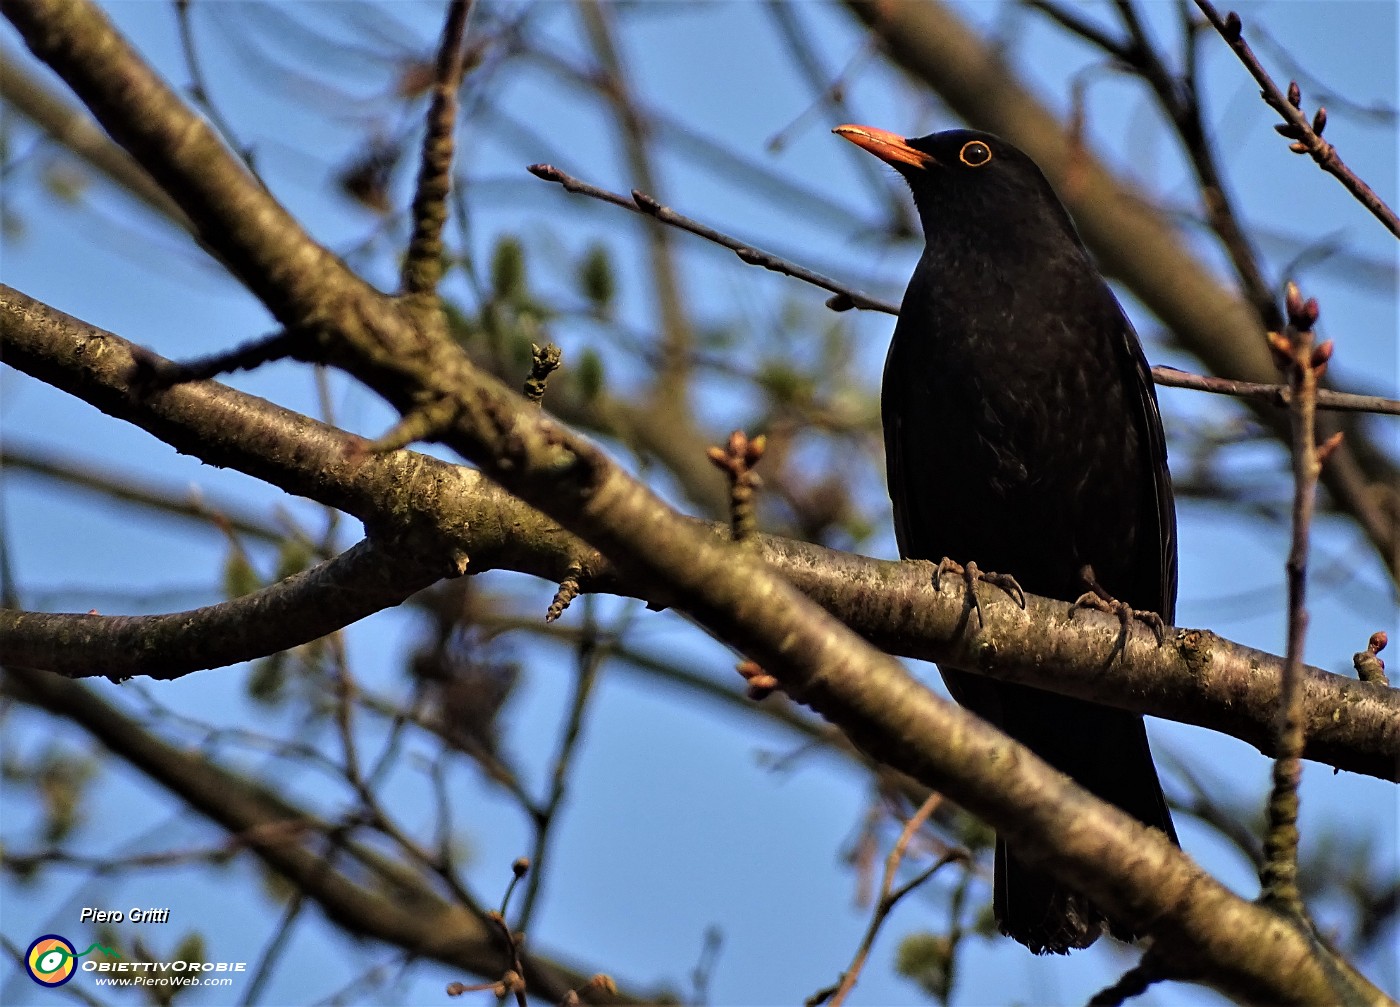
1161, 548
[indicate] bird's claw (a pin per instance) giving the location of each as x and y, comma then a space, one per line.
971, 574
1098, 599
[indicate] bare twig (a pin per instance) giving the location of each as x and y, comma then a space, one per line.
829, 96
1176, 94
640, 202
589, 657
1303, 364
153, 374
889, 898
848, 297
1279, 395
1132, 983
125, 487
1307, 136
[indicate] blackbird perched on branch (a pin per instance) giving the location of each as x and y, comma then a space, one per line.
1022, 435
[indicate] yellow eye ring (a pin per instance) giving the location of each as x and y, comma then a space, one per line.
975, 153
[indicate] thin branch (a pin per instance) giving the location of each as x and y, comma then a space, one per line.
73, 128
1177, 97
1304, 133
642, 203
848, 297
423, 265
829, 97
1277, 395
128, 488
1078, 25
890, 897
1304, 363
199, 88
588, 660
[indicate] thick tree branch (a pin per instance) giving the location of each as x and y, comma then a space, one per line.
1198, 679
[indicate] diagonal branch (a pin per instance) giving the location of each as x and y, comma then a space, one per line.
1200, 679
72, 126
644, 204
1301, 130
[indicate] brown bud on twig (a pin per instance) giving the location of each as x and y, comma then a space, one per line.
761, 684
1282, 351
1295, 94
1307, 318
1368, 664
1234, 27
1291, 130
521, 867
1298, 148
1302, 314
1327, 447
1321, 354
569, 589
601, 983
737, 459
1319, 122
1292, 298
645, 203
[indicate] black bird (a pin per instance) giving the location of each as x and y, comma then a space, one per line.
1022, 434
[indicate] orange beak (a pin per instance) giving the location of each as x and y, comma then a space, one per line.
888, 147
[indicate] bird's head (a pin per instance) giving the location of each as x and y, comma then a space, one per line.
962, 178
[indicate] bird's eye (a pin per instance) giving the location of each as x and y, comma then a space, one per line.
975, 153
